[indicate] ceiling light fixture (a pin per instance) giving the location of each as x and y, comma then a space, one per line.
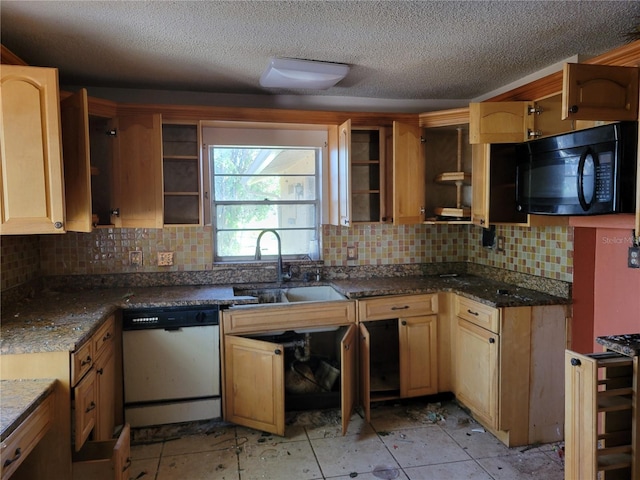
295, 73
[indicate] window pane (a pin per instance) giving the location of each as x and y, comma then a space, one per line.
269, 187
263, 161
243, 243
260, 216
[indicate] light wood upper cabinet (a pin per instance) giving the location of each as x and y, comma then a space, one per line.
599, 92
344, 174
77, 163
499, 122
408, 175
138, 171
32, 190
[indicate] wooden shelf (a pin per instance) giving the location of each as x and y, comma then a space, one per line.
180, 194
453, 212
453, 177
180, 157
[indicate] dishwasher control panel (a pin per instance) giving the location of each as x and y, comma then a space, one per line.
170, 317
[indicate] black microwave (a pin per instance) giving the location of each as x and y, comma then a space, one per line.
585, 172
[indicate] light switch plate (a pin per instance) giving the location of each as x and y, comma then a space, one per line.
352, 253
634, 257
165, 259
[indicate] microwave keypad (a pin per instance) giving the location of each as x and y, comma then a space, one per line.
603, 182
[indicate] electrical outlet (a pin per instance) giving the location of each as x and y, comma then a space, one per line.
500, 244
352, 253
135, 258
165, 259
634, 257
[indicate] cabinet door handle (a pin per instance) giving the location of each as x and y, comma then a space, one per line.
16, 456
277, 351
400, 308
347, 346
90, 407
404, 322
127, 464
100, 371
492, 340
106, 337
472, 312
86, 361
576, 362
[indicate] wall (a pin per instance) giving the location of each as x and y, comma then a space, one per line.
606, 293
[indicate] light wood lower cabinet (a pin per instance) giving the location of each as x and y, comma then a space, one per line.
398, 348
506, 364
601, 415
258, 356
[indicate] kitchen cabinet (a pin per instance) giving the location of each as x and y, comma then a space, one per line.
600, 413
448, 165
77, 166
398, 348
182, 174
137, 172
506, 369
104, 460
379, 175
21, 442
515, 122
599, 92
256, 358
74, 396
31, 173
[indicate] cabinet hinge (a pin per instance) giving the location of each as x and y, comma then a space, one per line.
534, 109
422, 139
112, 133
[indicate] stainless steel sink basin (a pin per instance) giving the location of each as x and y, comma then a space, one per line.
316, 293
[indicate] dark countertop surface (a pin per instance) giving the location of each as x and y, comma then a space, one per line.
62, 321
628, 344
18, 398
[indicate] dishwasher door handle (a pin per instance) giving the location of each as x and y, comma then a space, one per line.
172, 329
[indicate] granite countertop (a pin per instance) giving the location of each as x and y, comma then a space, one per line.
18, 398
628, 344
62, 321
489, 292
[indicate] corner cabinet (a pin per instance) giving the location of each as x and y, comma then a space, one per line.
32, 189
398, 348
506, 369
263, 351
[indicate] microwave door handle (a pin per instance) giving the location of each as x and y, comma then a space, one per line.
580, 179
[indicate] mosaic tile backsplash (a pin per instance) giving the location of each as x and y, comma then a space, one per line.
545, 252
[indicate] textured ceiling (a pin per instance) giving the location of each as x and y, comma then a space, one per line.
399, 50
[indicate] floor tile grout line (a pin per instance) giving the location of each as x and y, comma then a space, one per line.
315, 455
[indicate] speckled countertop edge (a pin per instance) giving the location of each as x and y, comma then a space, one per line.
628, 344
18, 399
62, 321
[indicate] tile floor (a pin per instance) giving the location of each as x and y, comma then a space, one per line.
415, 441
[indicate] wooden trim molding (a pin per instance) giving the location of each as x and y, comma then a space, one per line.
444, 118
7, 57
626, 56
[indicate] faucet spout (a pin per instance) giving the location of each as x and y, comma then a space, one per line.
258, 254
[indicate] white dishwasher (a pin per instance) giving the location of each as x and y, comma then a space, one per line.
171, 363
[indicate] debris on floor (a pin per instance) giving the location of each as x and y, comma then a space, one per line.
429, 413
314, 418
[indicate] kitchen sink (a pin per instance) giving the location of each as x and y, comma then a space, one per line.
315, 293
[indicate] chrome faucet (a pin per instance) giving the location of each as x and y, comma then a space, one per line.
258, 255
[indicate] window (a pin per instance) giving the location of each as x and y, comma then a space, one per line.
261, 187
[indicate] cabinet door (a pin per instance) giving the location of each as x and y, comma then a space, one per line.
74, 112
418, 355
581, 418
254, 384
408, 175
599, 92
477, 371
85, 403
480, 185
348, 375
105, 367
344, 173
499, 122
31, 178
138, 171
365, 371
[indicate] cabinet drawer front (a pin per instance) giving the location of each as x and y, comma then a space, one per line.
85, 403
397, 306
81, 361
103, 338
268, 318
19, 444
478, 313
